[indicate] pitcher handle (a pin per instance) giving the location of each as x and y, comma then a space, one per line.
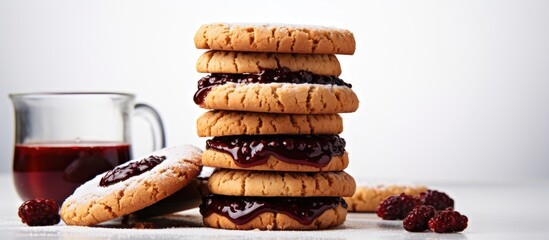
155, 122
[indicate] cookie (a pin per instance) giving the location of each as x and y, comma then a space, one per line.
279, 98
275, 38
188, 197
227, 123
250, 62
290, 153
273, 213
368, 198
212, 158
132, 186
275, 184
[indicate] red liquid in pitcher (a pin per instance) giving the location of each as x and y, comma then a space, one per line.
55, 170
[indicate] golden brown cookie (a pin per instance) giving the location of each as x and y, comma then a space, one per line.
368, 198
227, 123
250, 62
275, 38
281, 98
212, 158
92, 203
257, 183
273, 213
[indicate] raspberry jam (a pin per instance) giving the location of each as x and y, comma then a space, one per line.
132, 169
55, 170
253, 150
241, 210
279, 75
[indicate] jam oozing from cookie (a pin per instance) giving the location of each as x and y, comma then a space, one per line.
279, 75
241, 210
132, 169
253, 150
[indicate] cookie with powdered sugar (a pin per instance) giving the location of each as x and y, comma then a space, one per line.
132, 186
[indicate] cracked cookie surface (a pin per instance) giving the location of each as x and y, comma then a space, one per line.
277, 184
227, 123
275, 38
91, 203
281, 98
280, 221
251, 62
368, 198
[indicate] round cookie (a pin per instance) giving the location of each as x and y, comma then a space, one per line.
368, 198
269, 216
275, 184
212, 158
281, 98
227, 123
91, 203
250, 62
275, 38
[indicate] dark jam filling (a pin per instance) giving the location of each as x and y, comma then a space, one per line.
253, 150
279, 75
241, 210
132, 169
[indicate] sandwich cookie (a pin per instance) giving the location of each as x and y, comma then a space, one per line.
273, 213
276, 91
276, 200
290, 153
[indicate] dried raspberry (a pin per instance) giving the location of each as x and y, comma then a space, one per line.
39, 212
437, 199
396, 207
447, 221
417, 219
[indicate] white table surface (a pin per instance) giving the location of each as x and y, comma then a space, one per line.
495, 211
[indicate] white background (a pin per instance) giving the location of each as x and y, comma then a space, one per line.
449, 90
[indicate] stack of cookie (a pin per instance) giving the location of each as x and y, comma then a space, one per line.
275, 95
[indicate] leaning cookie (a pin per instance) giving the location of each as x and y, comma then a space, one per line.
278, 184
289, 153
273, 213
277, 90
275, 38
251, 62
367, 198
187, 198
228, 123
132, 186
